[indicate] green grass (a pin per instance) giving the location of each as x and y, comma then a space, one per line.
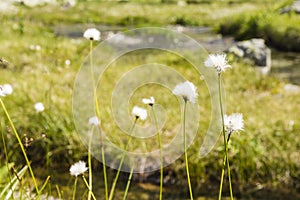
265, 155
279, 30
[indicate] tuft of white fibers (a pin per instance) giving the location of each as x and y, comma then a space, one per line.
187, 91
39, 107
6, 89
149, 101
92, 34
233, 122
139, 113
217, 61
78, 168
94, 121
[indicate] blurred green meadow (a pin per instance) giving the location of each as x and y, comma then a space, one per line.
35, 46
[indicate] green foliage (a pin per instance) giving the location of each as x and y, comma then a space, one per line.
279, 30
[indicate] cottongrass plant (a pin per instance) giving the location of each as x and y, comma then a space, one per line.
39, 107
77, 169
92, 34
94, 122
151, 102
188, 92
220, 64
5, 90
138, 113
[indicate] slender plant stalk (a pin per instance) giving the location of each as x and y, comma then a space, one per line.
90, 165
6, 158
112, 191
74, 189
229, 176
185, 153
58, 191
104, 166
222, 177
225, 142
45, 183
89, 188
22, 147
160, 154
98, 115
128, 184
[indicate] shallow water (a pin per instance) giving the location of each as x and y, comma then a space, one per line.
285, 65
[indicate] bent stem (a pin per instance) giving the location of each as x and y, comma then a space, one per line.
161, 157
89, 188
22, 147
225, 143
74, 189
112, 191
98, 115
128, 184
185, 153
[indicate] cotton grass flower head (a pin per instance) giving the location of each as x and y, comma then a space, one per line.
78, 168
39, 107
67, 62
149, 102
233, 122
187, 90
92, 34
94, 121
217, 61
5, 89
139, 113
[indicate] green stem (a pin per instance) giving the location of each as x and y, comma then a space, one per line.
222, 177
224, 137
185, 153
89, 188
74, 190
45, 183
229, 176
161, 156
6, 159
90, 165
128, 184
22, 147
104, 173
112, 191
98, 115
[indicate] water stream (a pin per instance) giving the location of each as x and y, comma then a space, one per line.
285, 65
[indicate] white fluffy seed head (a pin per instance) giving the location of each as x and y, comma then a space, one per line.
140, 113
187, 91
92, 34
78, 168
217, 61
149, 102
234, 122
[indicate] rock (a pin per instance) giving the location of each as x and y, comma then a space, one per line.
292, 89
295, 7
254, 50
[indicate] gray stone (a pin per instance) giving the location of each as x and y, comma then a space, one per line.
295, 7
254, 50
292, 89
